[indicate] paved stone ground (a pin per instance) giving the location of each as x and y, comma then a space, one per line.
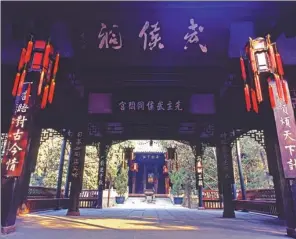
137, 220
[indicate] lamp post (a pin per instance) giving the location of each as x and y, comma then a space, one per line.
33, 88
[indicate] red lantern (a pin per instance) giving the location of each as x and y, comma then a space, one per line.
31, 60
165, 169
265, 62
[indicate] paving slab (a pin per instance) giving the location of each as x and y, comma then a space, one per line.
167, 221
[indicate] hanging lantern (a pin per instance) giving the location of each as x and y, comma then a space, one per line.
134, 167
150, 178
265, 63
165, 169
199, 167
37, 57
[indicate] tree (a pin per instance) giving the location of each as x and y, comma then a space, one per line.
121, 182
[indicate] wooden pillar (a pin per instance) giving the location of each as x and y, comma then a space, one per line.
144, 177
61, 169
19, 159
103, 153
198, 152
227, 177
167, 184
240, 170
76, 170
219, 174
67, 183
134, 182
284, 187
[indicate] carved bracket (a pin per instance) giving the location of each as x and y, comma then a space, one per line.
257, 135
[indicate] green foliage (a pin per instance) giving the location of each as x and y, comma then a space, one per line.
178, 178
91, 169
46, 171
121, 182
254, 164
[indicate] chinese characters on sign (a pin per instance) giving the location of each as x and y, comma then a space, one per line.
227, 166
77, 155
102, 169
150, 33
286, 129
293, 98
192, 37
150, 105
109, 37
154, 36
148, 156
17, 141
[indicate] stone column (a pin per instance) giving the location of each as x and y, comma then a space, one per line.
227, 177
76, 170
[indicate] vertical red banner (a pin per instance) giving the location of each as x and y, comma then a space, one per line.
286, 130
17, 141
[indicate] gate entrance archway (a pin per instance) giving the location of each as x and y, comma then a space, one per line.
111, 76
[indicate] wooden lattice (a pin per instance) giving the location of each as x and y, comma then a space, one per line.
257, 135
47, 134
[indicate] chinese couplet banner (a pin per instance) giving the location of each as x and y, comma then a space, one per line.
286, 130
77, 156
17, 141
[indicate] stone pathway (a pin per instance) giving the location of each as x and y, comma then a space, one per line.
133, 221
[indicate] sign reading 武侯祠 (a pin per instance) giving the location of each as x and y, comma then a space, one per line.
17, 141
110, 36
150, 105
286, 129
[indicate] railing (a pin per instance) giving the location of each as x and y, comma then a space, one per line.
261, 200
211, 199
42, 199
258, 200
88, 198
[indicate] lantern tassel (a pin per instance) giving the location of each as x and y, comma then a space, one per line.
51, 91
253, 62
285, 91
29, 51
22, 59
16, 83
56, 64
247, 97
28, 94
278, 86
258, 88
243, 69
271, 96
254, 101
22, 80
44, 98
272, 56
46, 57
40, 82
279, 64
